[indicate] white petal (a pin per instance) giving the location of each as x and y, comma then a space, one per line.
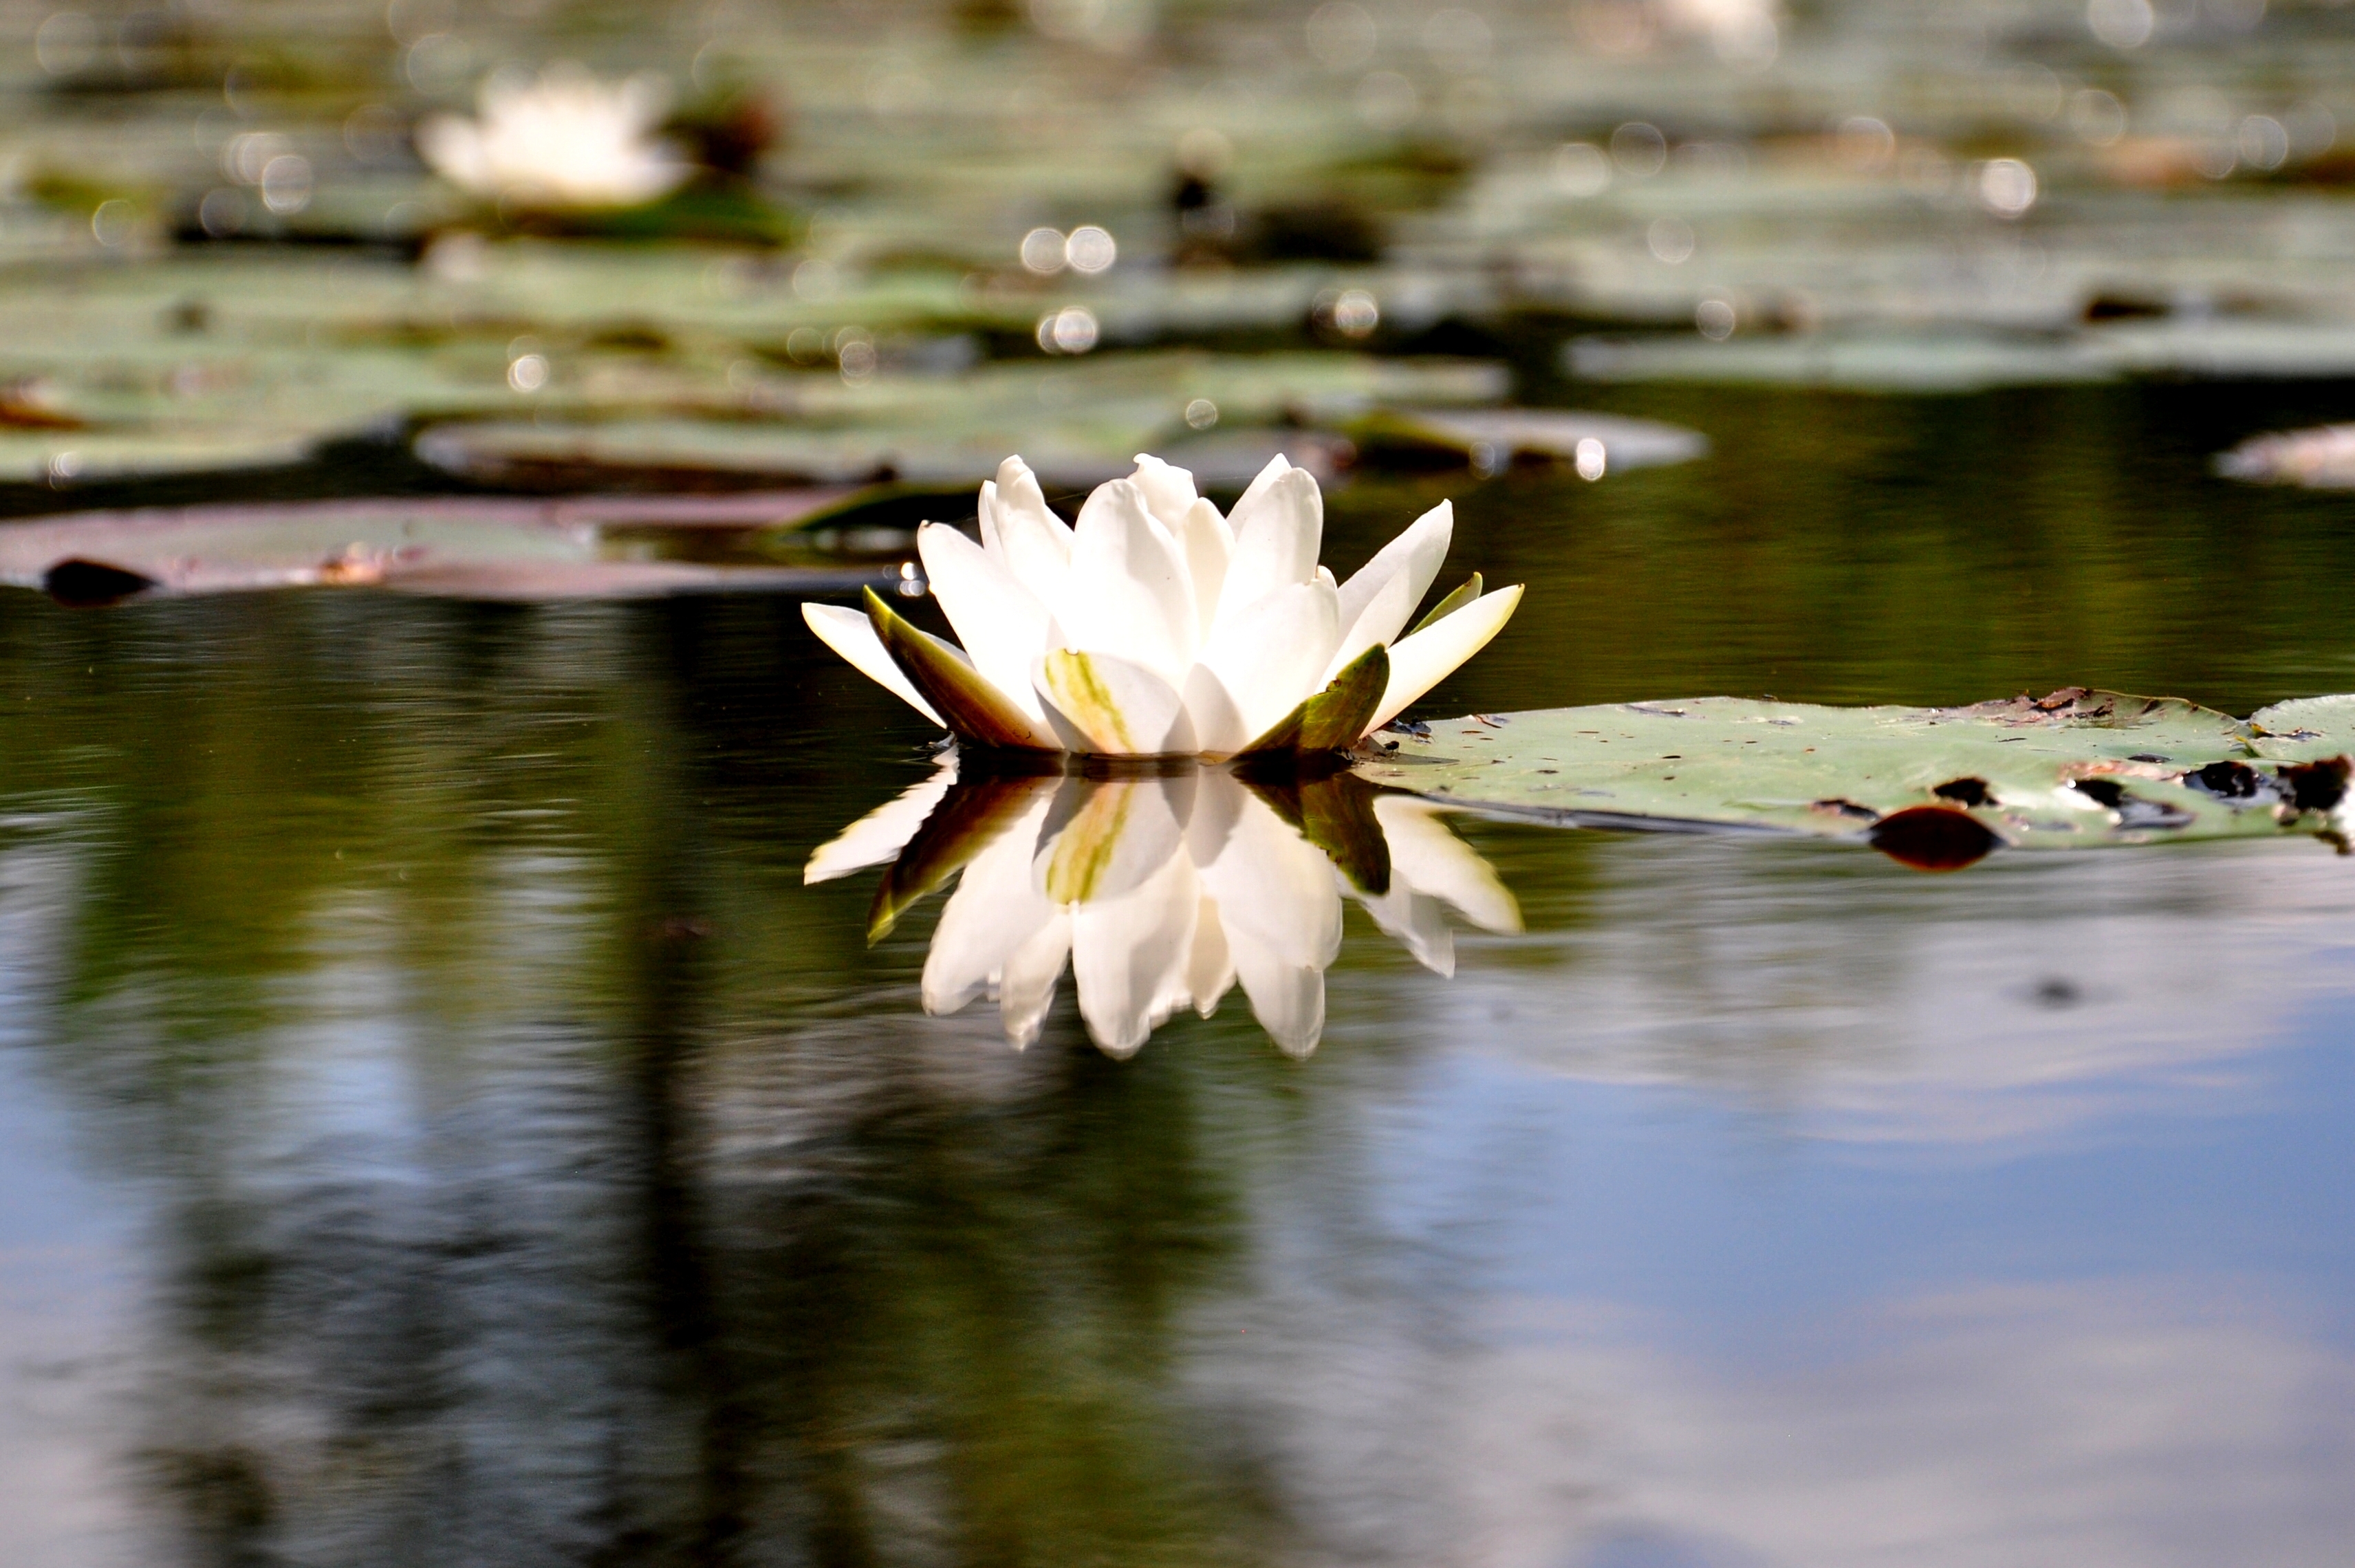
1422, 661
1416, 554
882, 833
1418, 925
1105, 704
984, 511
1027, 988
1275, 890
1210, 968
1430, 860
1210, 545
1108, 837
1276, 542
1288, 1000
1219, 803
1281, 914
1001, 623
1379, 620
1277, 467
1035, 542
1168, 491
1129, 955
1260, 663
996, 907
1129, 592
849, 634
454, 147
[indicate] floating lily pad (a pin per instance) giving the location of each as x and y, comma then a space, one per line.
2074, 769
463, 548
1492, 437
1077, 424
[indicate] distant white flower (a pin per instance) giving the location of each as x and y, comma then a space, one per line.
1159, 627
1162, 893
564, 140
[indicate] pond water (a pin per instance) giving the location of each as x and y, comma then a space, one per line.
439, 1125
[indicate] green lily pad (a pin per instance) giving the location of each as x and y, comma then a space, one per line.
1077, 424
2074, 769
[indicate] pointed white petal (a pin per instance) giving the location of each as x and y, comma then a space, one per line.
1260, 663
1288, 1000
852, 635
1277, 467
1422, 661
1210, 545
1281, 914
1417, 923
1276, 542
1416, 554
1026, 989
1378, 621
1275, 890
1210, 968
1107, 706
1129, 592
1129, 955
995, 908
1001, 623
882, 833
452, 147
1168, 491
984, 511
1037, 543
1430, 860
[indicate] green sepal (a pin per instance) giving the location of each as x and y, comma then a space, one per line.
1449, 605
975, 709
1335, 716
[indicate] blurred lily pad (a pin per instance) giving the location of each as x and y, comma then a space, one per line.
2074, 769
465, 547
1493, 437
1077, 424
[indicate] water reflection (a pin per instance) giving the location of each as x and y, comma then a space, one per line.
1162, 890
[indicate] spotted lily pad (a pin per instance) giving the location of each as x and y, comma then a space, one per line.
1934, 785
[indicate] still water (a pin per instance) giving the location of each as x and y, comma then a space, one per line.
439, 1126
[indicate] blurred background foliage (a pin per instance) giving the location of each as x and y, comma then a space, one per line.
224, 249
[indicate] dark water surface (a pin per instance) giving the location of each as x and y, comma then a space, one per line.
438, 1126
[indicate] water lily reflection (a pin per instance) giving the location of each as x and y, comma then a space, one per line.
1162, 890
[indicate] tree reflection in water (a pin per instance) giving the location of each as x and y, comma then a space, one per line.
1162, 889
535, 1172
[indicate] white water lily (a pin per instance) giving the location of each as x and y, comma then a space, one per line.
1156, 625
1162, 893
563, 140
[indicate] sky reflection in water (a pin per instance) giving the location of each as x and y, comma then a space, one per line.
438, 1124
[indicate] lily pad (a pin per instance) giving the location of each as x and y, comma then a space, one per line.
1077, 424
1491, 437
467, 548
1936, 785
